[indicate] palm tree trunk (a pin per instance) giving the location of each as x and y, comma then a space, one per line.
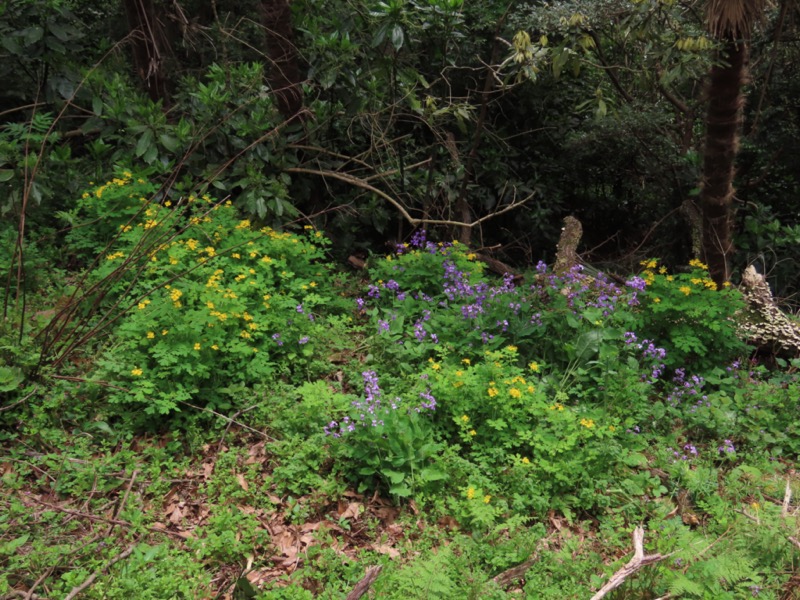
723, 122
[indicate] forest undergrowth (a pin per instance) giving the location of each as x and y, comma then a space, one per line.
194, 406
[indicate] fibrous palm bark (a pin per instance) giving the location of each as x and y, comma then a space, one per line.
731, 22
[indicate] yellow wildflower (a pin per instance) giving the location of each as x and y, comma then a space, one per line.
514, 393
164, 331
150, 335
512, 349
473, 432
466, 361
465, 418
588, 423
525, 460
656, 300
492, 392
696, 263
137, 372
487, 498
197, 345
470, 493
685, 289
534, 367
214, 347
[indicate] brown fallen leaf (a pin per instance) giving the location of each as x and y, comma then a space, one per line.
353, 510
176, 516
242, 482
386, 549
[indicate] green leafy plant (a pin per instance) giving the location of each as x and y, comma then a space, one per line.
689, 317
203, 300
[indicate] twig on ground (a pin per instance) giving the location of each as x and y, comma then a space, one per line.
89, 580
18, 402
230, 420
30, 595
237, 414
123, 501
362, 587
638, 561
102, 519
513, 574
787, 499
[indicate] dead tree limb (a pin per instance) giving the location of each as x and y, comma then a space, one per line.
362, 587
638, 561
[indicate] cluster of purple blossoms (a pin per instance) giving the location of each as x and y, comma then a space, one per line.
727, 447
688, 452
369, 410
690, 388
650, 352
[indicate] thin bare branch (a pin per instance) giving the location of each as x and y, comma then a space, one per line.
89, 580
358, 182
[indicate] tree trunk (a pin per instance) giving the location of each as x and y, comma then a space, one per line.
284, 73
723, 121
149, 46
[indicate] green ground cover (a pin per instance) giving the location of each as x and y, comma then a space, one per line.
199, 407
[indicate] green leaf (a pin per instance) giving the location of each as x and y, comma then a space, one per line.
432, 474
169, 142
398, 37
401, 490
59, 31
394, 477
10, 44
6, 175
32, 35
144, 143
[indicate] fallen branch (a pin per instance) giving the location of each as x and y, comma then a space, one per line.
124, 500
362, 587
229, 420
638, 561
361, 183
89, 580
100, 519
18, 402
513, 574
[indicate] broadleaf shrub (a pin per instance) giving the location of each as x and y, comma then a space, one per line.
201, 300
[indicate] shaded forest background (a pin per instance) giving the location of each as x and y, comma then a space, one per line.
341, 113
